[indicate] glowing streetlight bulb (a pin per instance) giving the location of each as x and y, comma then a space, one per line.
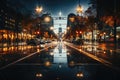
47, 19
79, 9
68, 28
39, 9
79, 75
51, 28
39, 75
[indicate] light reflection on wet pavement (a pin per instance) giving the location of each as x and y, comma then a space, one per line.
58, 63
101, 51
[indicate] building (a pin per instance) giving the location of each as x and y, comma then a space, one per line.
43, 25
10, 23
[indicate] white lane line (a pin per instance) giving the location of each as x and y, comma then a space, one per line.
23, 58
107, 63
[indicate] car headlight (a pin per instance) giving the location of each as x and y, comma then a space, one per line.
41, 45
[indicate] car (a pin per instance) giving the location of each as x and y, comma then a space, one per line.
48, 41
32, 42
78, 42
42, 44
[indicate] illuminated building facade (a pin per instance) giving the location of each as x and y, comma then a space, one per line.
10, 24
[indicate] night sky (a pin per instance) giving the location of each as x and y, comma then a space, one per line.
50, 6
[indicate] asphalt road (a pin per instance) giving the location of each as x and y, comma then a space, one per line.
56, 61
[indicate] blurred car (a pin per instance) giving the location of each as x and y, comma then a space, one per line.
79, 42
32, 42
42, 44
48, 41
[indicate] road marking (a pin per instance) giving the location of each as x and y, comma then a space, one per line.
105, 62
24, 58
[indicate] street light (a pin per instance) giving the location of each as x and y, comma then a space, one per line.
80, 75
79, 9
47, 19
39, 75
68, 28
104, 36
51, 28
79, 20
39, 9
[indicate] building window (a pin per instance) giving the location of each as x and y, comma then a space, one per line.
6, 22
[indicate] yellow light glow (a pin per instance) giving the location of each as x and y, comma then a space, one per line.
47, 19
39, 75
5, 49
80, 49
51, 28
104, 33
38, 50
47, 63
39, 9
72, 63
72, 19
51, 53
68, 53
68, 28
79, 9
80, 74
104, 52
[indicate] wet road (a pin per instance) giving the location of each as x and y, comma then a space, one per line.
104, 52
55, 62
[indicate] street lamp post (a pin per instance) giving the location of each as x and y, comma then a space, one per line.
104, 36
38, 11
79, 9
